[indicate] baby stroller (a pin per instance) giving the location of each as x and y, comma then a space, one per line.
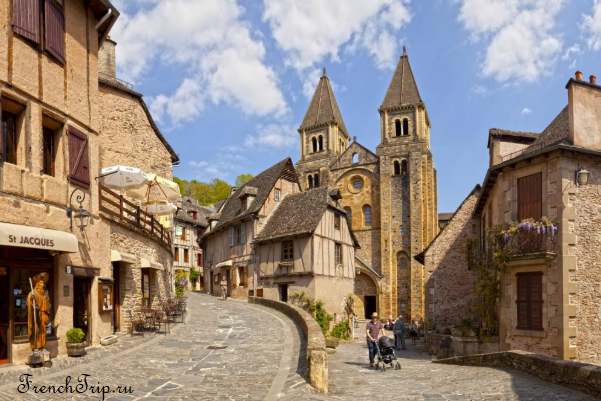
386, 354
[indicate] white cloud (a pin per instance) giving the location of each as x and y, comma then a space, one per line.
310, 31
591, 25
277, 136
572, 50
220, 58
520, 37
526, 110
208, 170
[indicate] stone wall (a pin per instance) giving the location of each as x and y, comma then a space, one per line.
317, 357
450, 295
576, 375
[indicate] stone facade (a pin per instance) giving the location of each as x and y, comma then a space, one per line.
450, 296
395, 187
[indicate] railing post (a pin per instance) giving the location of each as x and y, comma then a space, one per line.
138, 216
121, 206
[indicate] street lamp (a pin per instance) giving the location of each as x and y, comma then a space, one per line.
582, 176
83, 216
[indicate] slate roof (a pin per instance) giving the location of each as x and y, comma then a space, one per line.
263, 182
323, 108
191, 204
402, 89
218, 205
445, 216
300, 213
556, 132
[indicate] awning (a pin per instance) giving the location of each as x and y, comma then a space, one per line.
85, 271
150, 264
38, 238
227, 263
117, 256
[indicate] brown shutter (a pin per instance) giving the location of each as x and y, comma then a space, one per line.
536, 300
530, 193
55, 30
522, 302
79, 162
26, 19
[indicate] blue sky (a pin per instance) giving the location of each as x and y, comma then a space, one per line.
229, 81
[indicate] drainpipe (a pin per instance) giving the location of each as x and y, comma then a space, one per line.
103, 19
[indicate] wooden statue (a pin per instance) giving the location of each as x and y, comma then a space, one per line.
38, 311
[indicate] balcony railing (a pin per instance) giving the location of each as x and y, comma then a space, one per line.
129, 213
530, 242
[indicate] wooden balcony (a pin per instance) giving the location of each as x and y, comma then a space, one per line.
130, 214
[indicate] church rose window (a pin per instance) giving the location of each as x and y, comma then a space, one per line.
358, 184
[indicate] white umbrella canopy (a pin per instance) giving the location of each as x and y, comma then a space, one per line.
159, 208
157, 189
122, 178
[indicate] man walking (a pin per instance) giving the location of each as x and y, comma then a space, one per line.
223, 288
399, 333
373, 330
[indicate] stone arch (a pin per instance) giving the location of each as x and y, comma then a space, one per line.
314, 144
367, 284
397, 167
398, 131
405, 126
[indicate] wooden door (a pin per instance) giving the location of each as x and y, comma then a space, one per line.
116, 297
284, 292
4, 317
81, 305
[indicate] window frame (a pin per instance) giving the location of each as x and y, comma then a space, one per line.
51, 134
11, 154
337, 221
526, 189
186, 255
277, 195
367, 208
288, 251
176, 254
338, 257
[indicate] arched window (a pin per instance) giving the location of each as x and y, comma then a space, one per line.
314, 142
349, 213
316, 180
397, 128
367, 216
401, 230
404, 167
397, 167
355, 158
401, 261
320, 143
310, 181
405, 126
403, 307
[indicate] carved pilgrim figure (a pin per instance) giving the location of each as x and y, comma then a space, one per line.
38, 311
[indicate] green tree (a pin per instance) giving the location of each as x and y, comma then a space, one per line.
243, 179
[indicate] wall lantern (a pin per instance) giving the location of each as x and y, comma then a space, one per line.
358, 271
582, 176
82, 216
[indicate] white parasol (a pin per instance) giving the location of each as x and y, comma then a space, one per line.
157, 189
159, 208
122, 178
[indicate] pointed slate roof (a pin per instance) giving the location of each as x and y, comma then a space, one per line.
323, 108
402, 89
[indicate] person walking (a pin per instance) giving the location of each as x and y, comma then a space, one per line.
413, 332
373, 330
223, 288
399, 333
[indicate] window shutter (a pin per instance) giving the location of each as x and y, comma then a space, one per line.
26, 19
243, 233
79, 159
536, 300
530, 193
55, 30
522, 303
231, 236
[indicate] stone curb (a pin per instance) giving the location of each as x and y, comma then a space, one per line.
317, 356
575, 375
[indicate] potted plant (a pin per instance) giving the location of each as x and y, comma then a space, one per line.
75, 344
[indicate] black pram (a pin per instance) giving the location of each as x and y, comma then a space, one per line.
386, 353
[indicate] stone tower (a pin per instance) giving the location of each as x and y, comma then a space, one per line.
323, 136
408, 203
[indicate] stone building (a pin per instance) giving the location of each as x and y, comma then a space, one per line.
52, 145
271, 239
450, 295
550, 289
389, 196
190, 223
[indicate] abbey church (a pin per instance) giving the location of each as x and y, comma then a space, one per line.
389, 196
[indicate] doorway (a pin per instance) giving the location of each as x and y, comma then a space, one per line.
284, 292
4, 316
369, 302
116, 298
81, 305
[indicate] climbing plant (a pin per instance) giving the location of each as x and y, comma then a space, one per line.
315, 309
181, 281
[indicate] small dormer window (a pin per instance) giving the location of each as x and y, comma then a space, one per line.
244, 204
277, 195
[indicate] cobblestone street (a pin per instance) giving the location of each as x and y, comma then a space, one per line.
262, 359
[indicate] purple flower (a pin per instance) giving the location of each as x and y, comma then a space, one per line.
527, 226
538, 230
544, 229
506, 237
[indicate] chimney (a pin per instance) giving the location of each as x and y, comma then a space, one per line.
107, 68
233, 190
584, 112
